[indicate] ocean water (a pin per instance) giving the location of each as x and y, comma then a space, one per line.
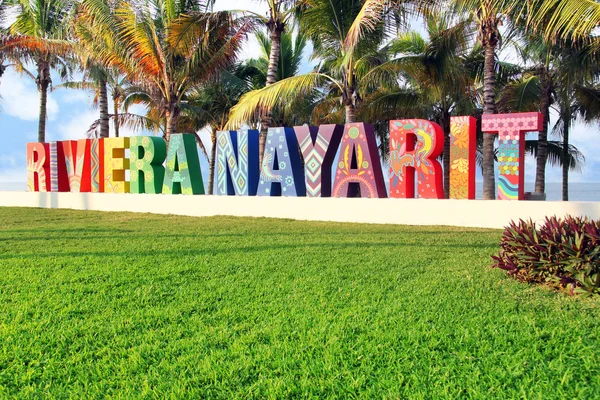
578, 191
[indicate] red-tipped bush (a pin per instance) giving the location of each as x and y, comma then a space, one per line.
561, 252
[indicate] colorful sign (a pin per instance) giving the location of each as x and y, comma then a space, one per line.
297, 161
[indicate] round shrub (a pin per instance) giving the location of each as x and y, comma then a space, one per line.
562, 252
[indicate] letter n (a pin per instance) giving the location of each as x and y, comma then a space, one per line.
237, 163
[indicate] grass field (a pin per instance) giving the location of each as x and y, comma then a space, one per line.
133, 305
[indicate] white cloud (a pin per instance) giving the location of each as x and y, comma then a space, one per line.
76, 127
20, 98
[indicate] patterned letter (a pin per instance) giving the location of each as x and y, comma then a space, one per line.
511, 129
182, 171
115, 165
146, 155
38, 167
59, 180
406, 157
77, 161
463, 148
318, 146
97, 165
237, 163
281, 170
359, 165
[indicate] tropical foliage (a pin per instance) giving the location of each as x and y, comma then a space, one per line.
180, 60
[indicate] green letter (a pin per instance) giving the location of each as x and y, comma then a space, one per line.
146, 155
182, 173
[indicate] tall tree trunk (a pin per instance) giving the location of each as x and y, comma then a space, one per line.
350, 113
565, 159
43, 81
275, 28
170, 123
446, 158
116, 115
213, 154
489, 107
542, 145
103, 102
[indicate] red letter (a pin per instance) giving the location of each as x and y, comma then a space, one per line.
77, 161
406, 158
59, 181
463, 148
38, 167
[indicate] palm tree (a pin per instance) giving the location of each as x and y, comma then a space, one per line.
437, 72
280, 12
560, 79
326, 23
557, 18
103, 82
295, 112
39, 31
208, 105
576, 97
165, 48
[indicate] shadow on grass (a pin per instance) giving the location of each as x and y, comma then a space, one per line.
352, 246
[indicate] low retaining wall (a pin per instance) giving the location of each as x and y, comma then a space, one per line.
471, 213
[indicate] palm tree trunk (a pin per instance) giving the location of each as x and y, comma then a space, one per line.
170, 123
103, 102
43, 82
213, 154
350, 113
565, 159
276, 29
446, 158
542, 145
489, 82
116, 115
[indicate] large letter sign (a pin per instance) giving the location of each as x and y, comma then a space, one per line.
146, 156
77, 153
511, 130
406, 157
359, 165
115, 165
182, 171
38, 167
97, 165
146, 164
237, 163
463, 148
59, 181
281, 170
318, 146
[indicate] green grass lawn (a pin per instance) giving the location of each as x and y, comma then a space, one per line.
135, 305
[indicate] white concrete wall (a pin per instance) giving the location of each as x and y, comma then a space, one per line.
472, 213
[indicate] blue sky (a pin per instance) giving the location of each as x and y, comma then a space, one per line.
70, 114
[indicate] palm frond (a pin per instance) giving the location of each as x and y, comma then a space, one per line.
257, 101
